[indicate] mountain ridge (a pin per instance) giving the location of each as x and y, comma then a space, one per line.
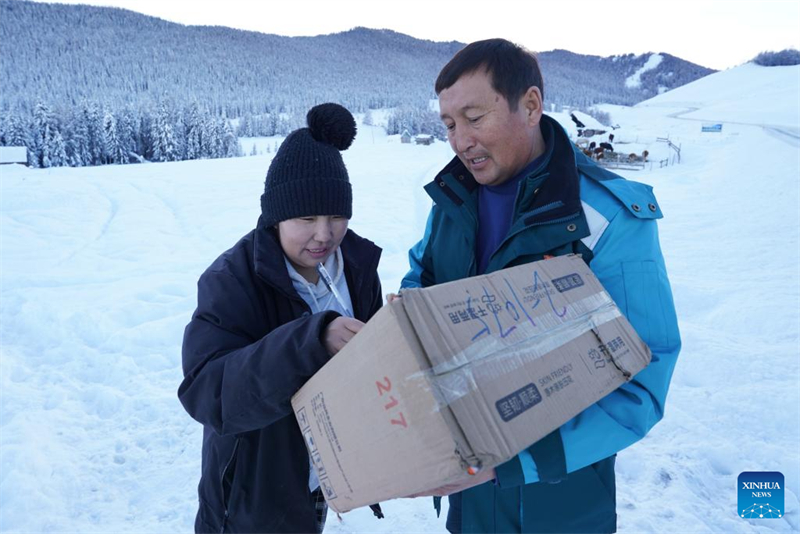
65, 54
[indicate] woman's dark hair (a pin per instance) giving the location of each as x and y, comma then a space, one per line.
512, 69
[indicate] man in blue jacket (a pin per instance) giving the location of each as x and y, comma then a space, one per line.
518, 191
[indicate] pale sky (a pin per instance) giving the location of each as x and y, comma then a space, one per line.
714, 33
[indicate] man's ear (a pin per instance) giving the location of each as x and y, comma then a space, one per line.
532, 102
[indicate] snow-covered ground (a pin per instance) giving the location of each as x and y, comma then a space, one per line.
748, 94
98, 277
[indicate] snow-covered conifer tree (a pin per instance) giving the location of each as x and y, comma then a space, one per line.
15, 132
247, 126
94, 128
58, 150
111, 146
78, 150
194, 132
144, 139
48, 143
126, 133
214, 138
230, 143
165, 147
179, 128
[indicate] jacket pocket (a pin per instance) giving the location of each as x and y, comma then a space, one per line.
226, 481
604, 470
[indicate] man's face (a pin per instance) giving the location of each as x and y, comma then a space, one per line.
493, 142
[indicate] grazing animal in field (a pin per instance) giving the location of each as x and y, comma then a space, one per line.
589, 151
636, 157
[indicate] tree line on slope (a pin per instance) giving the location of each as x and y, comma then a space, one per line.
782, 58
97, 135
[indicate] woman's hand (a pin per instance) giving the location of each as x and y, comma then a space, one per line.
339, 332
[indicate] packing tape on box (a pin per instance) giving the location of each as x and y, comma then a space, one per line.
454, 378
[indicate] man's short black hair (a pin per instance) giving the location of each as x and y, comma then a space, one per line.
512, 69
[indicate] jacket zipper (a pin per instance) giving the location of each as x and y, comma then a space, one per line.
226, 498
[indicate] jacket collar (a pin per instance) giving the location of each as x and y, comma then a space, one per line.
559, 195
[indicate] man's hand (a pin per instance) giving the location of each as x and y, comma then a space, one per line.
460, 485
391, 297
339, 332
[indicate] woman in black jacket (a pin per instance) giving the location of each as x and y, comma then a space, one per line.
265, 323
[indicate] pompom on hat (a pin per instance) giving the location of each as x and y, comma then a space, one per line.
307, 176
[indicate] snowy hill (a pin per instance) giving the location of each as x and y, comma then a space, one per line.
747, 94
97, 280
63, 54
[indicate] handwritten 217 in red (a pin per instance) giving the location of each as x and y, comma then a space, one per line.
392, 406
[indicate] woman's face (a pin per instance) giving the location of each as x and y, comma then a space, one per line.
307, 241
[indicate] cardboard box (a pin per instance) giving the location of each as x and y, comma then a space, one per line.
462, 374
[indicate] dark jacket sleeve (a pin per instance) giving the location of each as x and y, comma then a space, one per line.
233, 381
377, 298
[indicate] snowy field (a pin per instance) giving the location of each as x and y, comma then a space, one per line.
98, 277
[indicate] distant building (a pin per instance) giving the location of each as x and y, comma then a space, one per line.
424, 139
13, 154
405, 137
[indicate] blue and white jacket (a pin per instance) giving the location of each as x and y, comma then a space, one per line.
578, 208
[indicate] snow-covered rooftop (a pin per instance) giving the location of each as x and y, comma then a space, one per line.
13, 154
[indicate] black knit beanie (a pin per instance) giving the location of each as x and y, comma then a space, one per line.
307, 176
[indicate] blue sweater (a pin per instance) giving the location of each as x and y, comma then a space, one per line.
496, 211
